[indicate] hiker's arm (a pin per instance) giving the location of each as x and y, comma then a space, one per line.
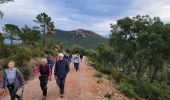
55, 68
38, 70
68, 68
21, 78
50, 72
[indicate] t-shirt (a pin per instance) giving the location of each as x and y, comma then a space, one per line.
11, 76
76, 59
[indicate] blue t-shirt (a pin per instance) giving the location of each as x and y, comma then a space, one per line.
11, 76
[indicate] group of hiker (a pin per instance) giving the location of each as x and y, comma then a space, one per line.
12, 78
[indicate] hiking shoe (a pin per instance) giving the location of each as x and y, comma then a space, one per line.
44, 97
20, 98
62, 95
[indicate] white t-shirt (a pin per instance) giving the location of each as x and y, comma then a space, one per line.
76, 59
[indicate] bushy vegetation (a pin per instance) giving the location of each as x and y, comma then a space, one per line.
137, 57
34, 44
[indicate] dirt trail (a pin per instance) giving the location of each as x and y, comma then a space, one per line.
81, 85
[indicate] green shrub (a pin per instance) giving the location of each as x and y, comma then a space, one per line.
37, 52
106, 70
154, 91
127, 89
27, 72
92, 54
77, 49
21, 57
116, 76
49, 51
4, 62
98, 74
168, 78
5, 51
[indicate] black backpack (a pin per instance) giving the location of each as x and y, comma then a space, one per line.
44, 71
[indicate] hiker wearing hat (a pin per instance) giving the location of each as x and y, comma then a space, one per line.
13, 80
45, 73
60, 72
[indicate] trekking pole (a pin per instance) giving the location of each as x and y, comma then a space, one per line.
22, 91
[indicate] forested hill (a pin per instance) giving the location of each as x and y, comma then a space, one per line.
85, 38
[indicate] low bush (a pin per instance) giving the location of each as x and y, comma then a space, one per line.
37, 52
127, 89
154, 91
168, 81
49, 51
21, 57
98, 74
105, 70
27, 72
5, 51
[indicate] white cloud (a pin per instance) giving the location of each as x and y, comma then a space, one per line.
154, 8
23, 12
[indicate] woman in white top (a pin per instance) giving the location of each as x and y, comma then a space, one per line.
76, 61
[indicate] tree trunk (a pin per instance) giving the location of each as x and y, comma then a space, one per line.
44, 36
150, 72
129, 70
138, 77
154, 75
11, 41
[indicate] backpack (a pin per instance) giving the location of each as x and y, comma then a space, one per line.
45, 70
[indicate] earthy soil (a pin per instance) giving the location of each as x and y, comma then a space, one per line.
81, 85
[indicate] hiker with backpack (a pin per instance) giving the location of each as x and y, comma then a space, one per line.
60, 72
50, 62
76, 61
13, 80
70, 57
66, 56
44, 71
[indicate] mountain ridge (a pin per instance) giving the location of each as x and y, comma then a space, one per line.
84, 38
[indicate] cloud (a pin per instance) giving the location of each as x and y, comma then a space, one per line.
94, 15
154, 8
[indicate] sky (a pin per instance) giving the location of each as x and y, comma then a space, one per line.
94, 15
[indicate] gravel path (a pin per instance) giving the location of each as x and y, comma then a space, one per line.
81, 85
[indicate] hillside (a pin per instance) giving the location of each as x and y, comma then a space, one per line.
80, 37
